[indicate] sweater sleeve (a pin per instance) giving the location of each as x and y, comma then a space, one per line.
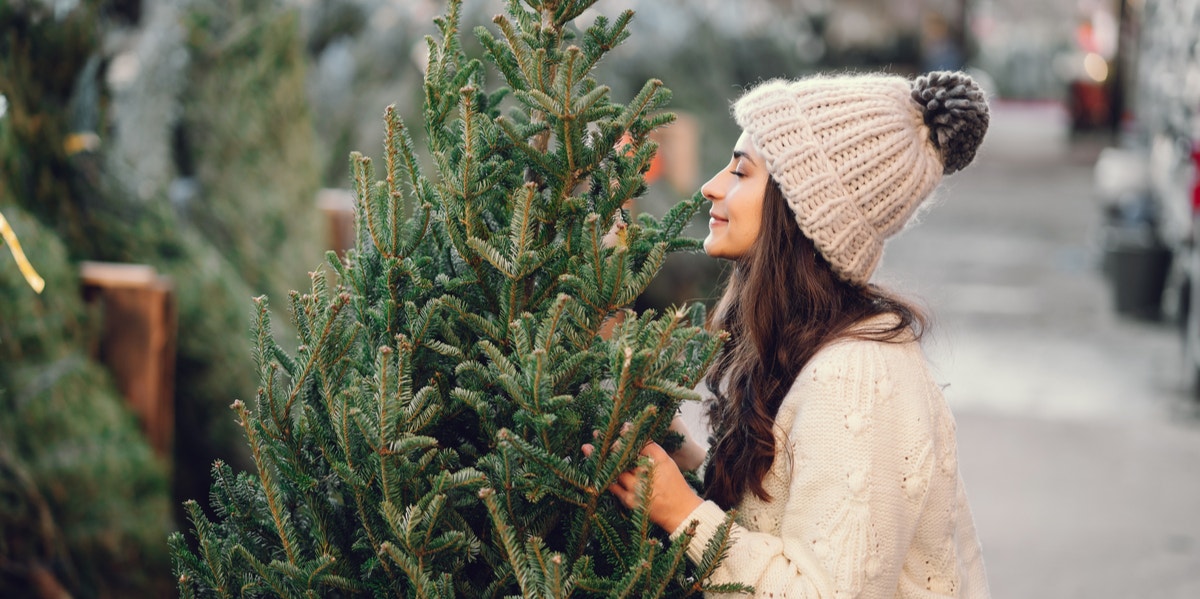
853, 465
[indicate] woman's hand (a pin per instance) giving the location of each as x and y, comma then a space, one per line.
690, 454
672, 499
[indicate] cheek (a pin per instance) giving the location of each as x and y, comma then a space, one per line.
745, 238
751, 230
750, 219
757, 216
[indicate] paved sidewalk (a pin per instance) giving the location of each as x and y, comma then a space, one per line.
1080, 452
1087, 509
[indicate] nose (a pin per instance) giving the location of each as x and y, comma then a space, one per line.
710, 189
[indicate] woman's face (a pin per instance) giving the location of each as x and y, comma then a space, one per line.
736, 193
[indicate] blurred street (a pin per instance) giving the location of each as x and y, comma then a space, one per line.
1080, 450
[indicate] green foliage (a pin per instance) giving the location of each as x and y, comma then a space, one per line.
83, 500
41, 59
242, 116
424, 438
245, 115
48, 73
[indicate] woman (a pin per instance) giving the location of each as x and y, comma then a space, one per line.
832, 441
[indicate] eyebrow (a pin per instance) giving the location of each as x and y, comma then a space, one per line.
738, 154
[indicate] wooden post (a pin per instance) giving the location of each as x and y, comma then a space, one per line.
679, 146
338, 207
138, 341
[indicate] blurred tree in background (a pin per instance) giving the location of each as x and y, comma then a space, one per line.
245, 115
115, 145
83, 500
82, 497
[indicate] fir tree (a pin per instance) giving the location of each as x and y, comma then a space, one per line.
84, 502
106, 193
244, 115
424, 439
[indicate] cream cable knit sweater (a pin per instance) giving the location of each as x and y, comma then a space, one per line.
866, 497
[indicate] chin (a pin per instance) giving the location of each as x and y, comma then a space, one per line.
716, 252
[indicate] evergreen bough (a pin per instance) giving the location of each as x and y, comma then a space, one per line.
424, 439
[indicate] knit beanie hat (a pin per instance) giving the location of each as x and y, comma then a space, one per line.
855, 155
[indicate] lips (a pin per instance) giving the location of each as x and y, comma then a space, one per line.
713, 218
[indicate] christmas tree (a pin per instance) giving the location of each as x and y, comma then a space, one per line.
85, 505
424, 439
244, 114
84, 502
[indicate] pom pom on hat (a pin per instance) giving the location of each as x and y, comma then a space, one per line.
956, 113
855, 155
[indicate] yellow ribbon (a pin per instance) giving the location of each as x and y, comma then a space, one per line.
23, 264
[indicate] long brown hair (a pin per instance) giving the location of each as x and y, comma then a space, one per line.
781, 305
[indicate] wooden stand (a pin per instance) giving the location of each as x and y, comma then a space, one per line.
679, 148
138, 341
338, 207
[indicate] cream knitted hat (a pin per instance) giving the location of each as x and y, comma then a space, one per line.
856, 154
